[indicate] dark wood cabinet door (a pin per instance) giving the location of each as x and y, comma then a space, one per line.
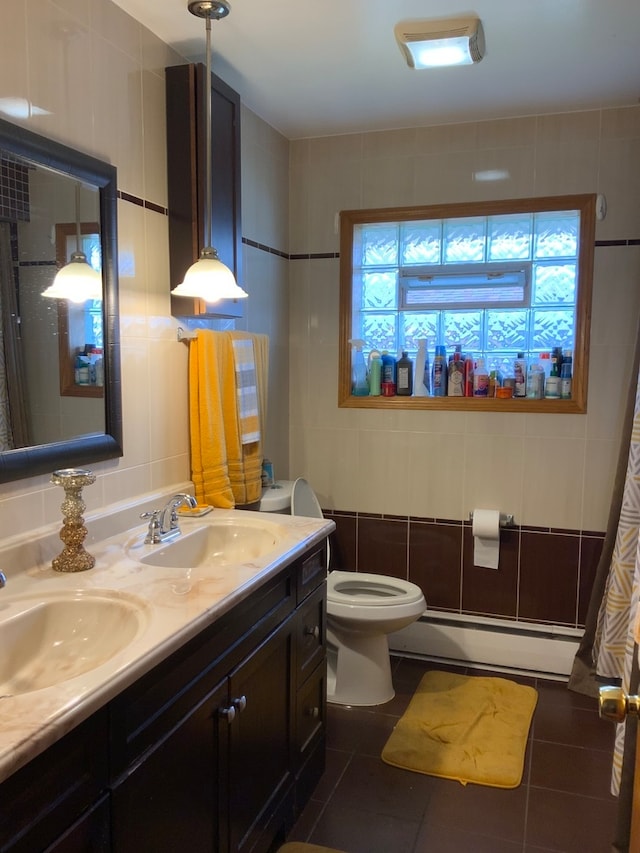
260, 745
169, 801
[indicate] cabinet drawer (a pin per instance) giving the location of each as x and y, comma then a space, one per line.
49, 794
311, 633
312, 571
310, 711
150, 708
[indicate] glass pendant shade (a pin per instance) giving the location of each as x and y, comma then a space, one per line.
77, 281
209, 279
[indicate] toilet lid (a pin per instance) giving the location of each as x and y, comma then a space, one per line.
304, 501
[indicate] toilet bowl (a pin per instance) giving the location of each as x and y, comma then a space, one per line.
362, 609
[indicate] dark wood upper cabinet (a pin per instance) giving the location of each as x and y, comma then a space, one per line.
186, 91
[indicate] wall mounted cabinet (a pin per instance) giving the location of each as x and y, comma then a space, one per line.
186, 94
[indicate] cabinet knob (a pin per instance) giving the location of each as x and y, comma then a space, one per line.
312, 632
229, 713
312, 712
240, 703
615, 704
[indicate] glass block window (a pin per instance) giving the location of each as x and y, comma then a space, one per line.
494, 279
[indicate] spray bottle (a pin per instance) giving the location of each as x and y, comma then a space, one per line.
359, 384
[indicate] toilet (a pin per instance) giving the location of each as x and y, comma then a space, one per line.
362, 609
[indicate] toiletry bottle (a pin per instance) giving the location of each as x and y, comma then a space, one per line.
455, 383
468, 375
480, 380
439, 383
375, 373
404, 373
359, 384
520, 374
535, 381
565, 380
388, 367
552, 386
421, 384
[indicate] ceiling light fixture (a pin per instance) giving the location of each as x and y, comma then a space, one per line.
208, 278
441, 42
76, 281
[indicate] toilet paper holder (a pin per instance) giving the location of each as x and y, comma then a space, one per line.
506, 519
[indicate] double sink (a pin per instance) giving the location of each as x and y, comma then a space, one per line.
51, 637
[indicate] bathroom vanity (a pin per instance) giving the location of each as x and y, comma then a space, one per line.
217, 746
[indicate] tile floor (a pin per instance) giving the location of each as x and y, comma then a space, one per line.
362, 805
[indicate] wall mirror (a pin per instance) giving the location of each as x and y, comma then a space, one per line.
60, 391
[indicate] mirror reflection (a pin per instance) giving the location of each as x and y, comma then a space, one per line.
59, 359
54, 344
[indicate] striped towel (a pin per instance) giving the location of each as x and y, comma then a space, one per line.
246, 390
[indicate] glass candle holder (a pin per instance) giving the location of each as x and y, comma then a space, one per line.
73, 558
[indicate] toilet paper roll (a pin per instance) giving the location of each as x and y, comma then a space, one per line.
486, 538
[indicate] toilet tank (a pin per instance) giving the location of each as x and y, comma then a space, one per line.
277, 498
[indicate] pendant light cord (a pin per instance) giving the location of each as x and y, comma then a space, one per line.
207, 218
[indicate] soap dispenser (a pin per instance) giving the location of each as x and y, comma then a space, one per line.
359, 383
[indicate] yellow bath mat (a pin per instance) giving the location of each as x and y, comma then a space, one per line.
465, 727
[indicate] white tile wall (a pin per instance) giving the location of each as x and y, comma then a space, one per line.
104, 86
548, 470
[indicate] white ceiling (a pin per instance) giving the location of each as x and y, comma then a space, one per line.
315, 69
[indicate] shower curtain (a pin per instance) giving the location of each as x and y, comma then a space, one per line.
608, 652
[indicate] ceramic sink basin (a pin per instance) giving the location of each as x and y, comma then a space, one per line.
48, 640
217, 543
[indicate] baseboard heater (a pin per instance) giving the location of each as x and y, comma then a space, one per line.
499, 644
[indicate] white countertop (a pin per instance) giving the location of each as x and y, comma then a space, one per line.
176, 604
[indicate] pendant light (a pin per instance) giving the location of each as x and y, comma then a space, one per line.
208, 278
76, 281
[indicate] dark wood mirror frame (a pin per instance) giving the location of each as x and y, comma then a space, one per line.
82, 450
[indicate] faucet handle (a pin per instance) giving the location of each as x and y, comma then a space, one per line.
153, 533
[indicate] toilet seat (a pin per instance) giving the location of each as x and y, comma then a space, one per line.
360, 589
304, 501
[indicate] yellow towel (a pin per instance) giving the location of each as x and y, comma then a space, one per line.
246, 390
209, 470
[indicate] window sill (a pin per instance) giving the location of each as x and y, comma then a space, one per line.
466, 404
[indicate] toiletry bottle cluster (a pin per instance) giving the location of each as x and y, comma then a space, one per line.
89, 366
458, 374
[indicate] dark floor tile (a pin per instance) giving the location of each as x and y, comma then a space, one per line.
450, 839
572, 726
307, 821
370, 785
351, 830
572, 769
570, 823
558, 693
336, 763
478, 809
361, 730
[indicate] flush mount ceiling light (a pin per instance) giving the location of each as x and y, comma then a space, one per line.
441, 42
76, 281
208, 278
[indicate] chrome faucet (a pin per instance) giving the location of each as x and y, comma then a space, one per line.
163, 523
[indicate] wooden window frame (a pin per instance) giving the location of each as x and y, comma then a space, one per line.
585, 203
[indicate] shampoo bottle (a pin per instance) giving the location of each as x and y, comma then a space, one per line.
520, 373
480, 380
359, 384
375, 373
